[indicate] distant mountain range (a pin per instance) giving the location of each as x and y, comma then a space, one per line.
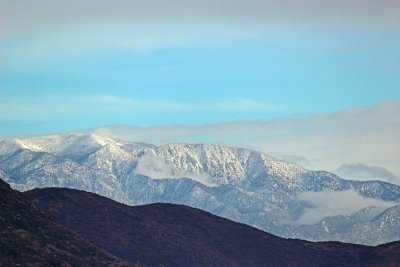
239, 184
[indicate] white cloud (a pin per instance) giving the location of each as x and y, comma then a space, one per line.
157, 168
61, 105
322, 142
34, 32
361, 171
331, 203
234, 104
70, 42
368, 135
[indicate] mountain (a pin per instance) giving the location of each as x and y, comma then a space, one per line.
30, 238
369, 226
239, 184
176, 235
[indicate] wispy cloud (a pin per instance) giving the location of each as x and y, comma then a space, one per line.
235, 104
48, 30
65, 105
71, 43
330, 203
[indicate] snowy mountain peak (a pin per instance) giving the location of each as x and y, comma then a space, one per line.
215, 164
61, 144
25, 144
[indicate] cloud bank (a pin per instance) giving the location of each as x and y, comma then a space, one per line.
331, 203
364, 172
322, 142
48, 30
25, 15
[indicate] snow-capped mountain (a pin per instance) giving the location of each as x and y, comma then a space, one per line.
239, 184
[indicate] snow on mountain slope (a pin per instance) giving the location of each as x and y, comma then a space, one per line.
369, 226
240, 184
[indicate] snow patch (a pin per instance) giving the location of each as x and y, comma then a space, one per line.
325, 227
30, 146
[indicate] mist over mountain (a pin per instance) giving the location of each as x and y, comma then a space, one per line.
362, 171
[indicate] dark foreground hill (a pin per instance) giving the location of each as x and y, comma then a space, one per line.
174, 235
30, 238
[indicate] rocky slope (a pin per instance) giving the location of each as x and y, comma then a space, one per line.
175, 235
242, 185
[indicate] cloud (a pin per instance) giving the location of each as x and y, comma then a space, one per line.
361, 171
46, 30
66, 105
72, 43
320, 142
368, 135
157, 168
26, 15
330, 203
235, 104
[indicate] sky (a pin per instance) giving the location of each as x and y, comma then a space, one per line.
173, 65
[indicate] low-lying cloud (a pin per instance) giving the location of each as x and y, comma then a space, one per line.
157, 168
323, 142
361, 171
330, 203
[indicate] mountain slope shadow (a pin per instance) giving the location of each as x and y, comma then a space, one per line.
29, 237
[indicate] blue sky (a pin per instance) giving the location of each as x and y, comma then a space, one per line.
203, 83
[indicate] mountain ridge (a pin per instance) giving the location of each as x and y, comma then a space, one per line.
29, 237
163, 234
